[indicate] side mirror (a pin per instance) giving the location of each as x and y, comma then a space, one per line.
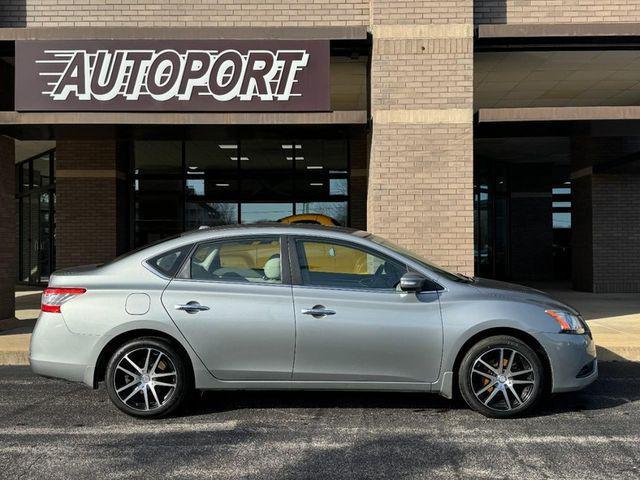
412, 282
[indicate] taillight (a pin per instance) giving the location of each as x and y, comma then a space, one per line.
53, 298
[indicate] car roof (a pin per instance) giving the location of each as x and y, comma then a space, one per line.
295, 227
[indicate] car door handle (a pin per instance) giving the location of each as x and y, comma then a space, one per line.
192, 307
318, 311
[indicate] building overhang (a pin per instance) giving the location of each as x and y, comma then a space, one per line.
558, 114
346, 117
561, 36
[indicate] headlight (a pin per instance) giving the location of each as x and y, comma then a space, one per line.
568, 322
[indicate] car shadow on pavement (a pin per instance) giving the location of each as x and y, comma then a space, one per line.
611, 390
224, 401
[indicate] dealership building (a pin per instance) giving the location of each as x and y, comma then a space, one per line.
498, 137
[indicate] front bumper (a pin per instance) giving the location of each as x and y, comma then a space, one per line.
570, 357
57, 352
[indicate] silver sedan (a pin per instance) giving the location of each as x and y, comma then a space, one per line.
303, 307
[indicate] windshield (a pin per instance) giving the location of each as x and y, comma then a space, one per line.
456, 277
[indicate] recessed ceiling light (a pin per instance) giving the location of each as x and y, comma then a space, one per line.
242, 159
222, 184
316, 184
314, 167
192, 167
297, 158
228, 146
290, 146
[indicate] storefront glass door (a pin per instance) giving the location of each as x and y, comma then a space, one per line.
35, 206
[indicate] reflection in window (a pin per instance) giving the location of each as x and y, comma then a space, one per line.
206, 156
179, 186
336, 210
210, 214
264, 212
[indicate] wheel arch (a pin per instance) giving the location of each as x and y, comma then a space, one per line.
110, 348
527, 338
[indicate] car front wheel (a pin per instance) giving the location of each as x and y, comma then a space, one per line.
147, 378
501, 377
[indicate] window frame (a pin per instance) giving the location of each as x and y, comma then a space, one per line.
184, 272
296, 271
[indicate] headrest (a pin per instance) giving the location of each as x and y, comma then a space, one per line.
272, 269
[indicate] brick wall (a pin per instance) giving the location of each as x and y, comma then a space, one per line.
554, 11
421, 166
421, 12
183, 13
8, 234
616, 233
605, 220
88, 229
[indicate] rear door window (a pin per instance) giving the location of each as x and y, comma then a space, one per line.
254, 260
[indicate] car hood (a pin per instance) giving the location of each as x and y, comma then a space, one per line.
513, 291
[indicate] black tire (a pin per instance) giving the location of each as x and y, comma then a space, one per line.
166, 360
508, 399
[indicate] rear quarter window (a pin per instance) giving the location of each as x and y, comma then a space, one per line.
168, 263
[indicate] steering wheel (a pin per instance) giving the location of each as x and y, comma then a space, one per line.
373, 280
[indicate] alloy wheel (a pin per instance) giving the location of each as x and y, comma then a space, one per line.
503, 379
145, 379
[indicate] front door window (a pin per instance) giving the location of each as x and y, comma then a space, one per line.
328, 264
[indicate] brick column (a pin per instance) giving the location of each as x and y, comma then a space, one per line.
90, 208
421, 168
605, 216
8, 231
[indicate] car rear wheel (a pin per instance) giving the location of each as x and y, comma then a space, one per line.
501, 377
147, 378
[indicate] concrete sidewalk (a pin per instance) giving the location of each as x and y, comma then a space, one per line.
613, 318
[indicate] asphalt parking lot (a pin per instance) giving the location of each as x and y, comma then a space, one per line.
53, 429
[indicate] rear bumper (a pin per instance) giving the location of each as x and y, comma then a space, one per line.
569, 355
58, 353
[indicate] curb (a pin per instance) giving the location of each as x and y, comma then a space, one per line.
628, 354
14, 358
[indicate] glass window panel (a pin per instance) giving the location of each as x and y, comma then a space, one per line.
265, 212
335, 210
149, 231
267, 188
168, 263
321, 155
25, 229
561, 220
312, 187
266, 155
338, 186
255, 261
25, 181
211, 214
205, 156
158, 209
41, 174
340, 266
213, 188
158, 157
